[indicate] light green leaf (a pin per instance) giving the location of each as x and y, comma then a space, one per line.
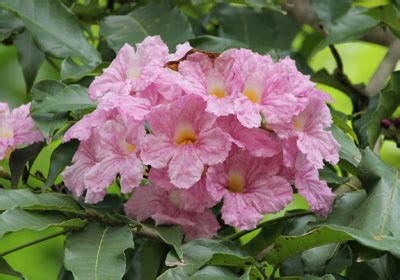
16, 219
30, 57
26, 199
53, 26
60, 158
97, 252
153, 19
260, 31
6, 269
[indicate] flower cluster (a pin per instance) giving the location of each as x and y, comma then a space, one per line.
16, 128
235, 127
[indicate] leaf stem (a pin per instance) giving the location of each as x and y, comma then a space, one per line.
33, 242
239, 234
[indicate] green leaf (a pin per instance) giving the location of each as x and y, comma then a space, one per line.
60, 158
352, 25
264, 238
97, 252
201, 252
287, 246
72, 71
171, 235
210, 43
19, 158
312, 277
348, 150
390, 15
6, 269
259, 30
53, 26
9, 24
214, 273
70, 98
46, 88
389, 100
331, 177
30, 57
360, 125
146, 260
26, 199
329, 10
16, 219
153, 19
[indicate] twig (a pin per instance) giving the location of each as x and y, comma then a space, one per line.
337, 57
239, 234
33, 242
384, 70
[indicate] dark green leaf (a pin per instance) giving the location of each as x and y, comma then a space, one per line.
16, 219
30, 57
389, 100
26, 199
264, 238
348, 150
352, 25
329, 10
312, 277
60, 158
9, 24
390, 15
6, 269
245, 25
331, 177
215, 44
19, 158
46, 88
72, 71
53, 26
146, 260
360, 125
172, 236
153, 19
98, 252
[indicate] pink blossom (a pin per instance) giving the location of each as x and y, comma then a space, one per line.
195, 199
249, 187
258, 142
165, 207
112, 150
16, 128
188, 138
210, 80
313, 139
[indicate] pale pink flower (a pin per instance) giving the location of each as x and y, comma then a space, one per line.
316, 191
184, 138
209, 79
195, 199
111, 150
16, 128
250, 188
275, 90
166, 207
313, 139
258, 142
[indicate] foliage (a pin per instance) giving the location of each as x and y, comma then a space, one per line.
77, 39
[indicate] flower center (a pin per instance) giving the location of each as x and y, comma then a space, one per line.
185, 134
217, 91
6, 132
236, 182
130, 148
298, 123
253, 94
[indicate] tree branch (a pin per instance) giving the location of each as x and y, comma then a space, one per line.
384, 70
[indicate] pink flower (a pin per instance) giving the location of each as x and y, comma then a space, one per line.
249, 187
112, 150
184, 138
258, 142
166, 207
195, 199
209, 79
275, 90
313, 140
16, 128
317, 193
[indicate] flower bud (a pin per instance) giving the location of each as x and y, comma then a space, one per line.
397, 122
386, 123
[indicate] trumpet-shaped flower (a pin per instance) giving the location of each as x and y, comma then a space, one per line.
184, 138
166, 207
250, 188
16, 128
